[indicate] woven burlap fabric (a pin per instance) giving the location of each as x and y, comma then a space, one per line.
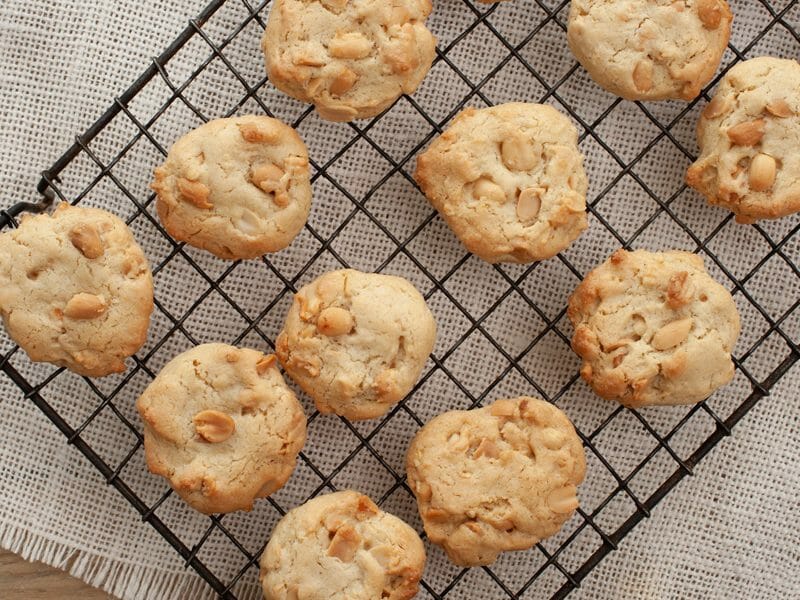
731, 531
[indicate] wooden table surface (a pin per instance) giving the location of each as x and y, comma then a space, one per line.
22, 580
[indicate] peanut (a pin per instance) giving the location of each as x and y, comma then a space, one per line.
710, 13
265, 363
671, 334
486, 189
345, 544
269, 178
503, 408
763, 169
86, 239
779, 108
529, 204
747, 134
351, 45
335, 321
563, 500
247, 223
260, 132
718, 106
85, 306
643, 76
334, 6
518, 154
213, 426
343, 82
486, 448
195, 193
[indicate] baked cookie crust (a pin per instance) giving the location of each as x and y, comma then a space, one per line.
748, 135
495, 479
222, 426
350, 58
356, 342
341, 546
653, 328
237, 187
509, 181
650, 49
75, 289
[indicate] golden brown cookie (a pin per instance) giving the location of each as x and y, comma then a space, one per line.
222, 426
237, 187
75, 289
350, 58
509, 181
650, 49
749, 138
495, 479
356, 342
653, 328
341, 546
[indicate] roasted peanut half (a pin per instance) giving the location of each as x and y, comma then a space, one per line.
87, 240
563, 500
518, 153
779, 108
213, 426
85, 306
671, 334
485, 189
529, 204
710, 13
334, 321
748, 133
195, 193
763, 170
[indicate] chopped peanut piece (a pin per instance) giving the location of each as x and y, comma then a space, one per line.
86, 239
643, 76
345, 544
352, 45
195, 193
335, 321
710, 13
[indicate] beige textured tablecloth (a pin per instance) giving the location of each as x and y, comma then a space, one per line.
729, 532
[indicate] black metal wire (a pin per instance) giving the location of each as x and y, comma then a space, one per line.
50, 190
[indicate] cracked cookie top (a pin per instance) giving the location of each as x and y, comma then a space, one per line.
650, 49
75, 289
495, 479
356, 342
509, 181
350, 58
748, 136
341, 546
222, 426
237, 187
653, 328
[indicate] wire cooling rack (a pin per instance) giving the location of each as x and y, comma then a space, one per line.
502, 329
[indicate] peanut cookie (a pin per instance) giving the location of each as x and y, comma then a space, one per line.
75, 289
341, 547
356, 342
650, 49
350, 58
237, 187
749, 138
222, 426
495, 479
509, 181
653, 328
